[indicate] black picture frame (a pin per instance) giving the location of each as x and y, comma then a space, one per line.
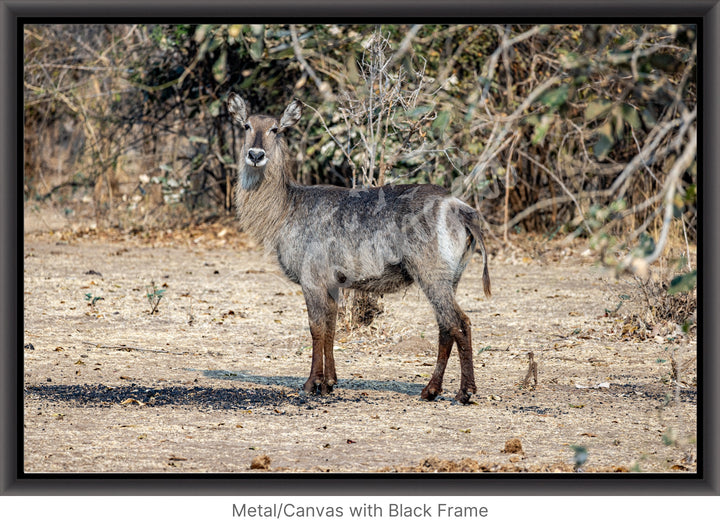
14, 14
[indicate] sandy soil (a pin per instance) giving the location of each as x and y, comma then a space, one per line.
211, 382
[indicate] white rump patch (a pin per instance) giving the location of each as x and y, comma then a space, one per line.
451, 243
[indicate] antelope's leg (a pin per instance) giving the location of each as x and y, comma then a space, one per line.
315, 381
434, 387
454, 327
462, 337
317, 308
322, 314
330, 379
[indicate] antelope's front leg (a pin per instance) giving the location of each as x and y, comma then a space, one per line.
330, 379
322, 313
316, 380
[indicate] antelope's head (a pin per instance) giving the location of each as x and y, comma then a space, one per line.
264, 135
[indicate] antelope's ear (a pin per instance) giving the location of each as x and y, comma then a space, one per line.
291, 115
237, 108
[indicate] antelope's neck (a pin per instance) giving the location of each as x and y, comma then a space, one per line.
263, 209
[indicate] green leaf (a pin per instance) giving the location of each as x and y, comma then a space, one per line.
597, 109
618, 205
605, 141
215, 107
249, 81
542, 128
678, 206
647, 245
419, 111
214, 44
570, 60
649, 117
441, 123
219, 69
555, 97
257, 48
683, 283
619, 122
201, 32
631, 117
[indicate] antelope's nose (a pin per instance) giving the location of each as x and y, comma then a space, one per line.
256, 156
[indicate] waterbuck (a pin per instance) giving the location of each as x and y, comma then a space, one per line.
376, 239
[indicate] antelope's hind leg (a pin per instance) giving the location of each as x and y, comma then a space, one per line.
462, 337
454, 327
434, 387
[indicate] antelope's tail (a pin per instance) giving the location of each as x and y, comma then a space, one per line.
472, 222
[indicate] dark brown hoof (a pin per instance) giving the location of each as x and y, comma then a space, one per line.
324, 389
330, 384
430, 392
317, 388
313, 387
463, 396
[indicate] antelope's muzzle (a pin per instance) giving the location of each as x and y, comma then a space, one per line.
256, 157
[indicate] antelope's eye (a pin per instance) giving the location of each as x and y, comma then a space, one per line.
247, 126
274, 130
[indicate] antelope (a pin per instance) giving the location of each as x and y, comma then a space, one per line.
380, 240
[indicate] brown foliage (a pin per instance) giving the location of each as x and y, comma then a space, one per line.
582, 130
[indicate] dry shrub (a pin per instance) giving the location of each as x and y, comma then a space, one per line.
647, 309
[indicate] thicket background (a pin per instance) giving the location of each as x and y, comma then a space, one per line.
563, 131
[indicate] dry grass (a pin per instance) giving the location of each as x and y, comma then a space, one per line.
648, 310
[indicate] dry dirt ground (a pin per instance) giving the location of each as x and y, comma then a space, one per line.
211, 382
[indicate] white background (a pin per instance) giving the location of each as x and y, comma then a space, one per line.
558, 514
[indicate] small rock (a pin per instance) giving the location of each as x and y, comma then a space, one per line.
513, 446
261, 462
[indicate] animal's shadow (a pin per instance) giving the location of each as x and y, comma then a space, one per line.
272, 392
196, 397
296, 383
